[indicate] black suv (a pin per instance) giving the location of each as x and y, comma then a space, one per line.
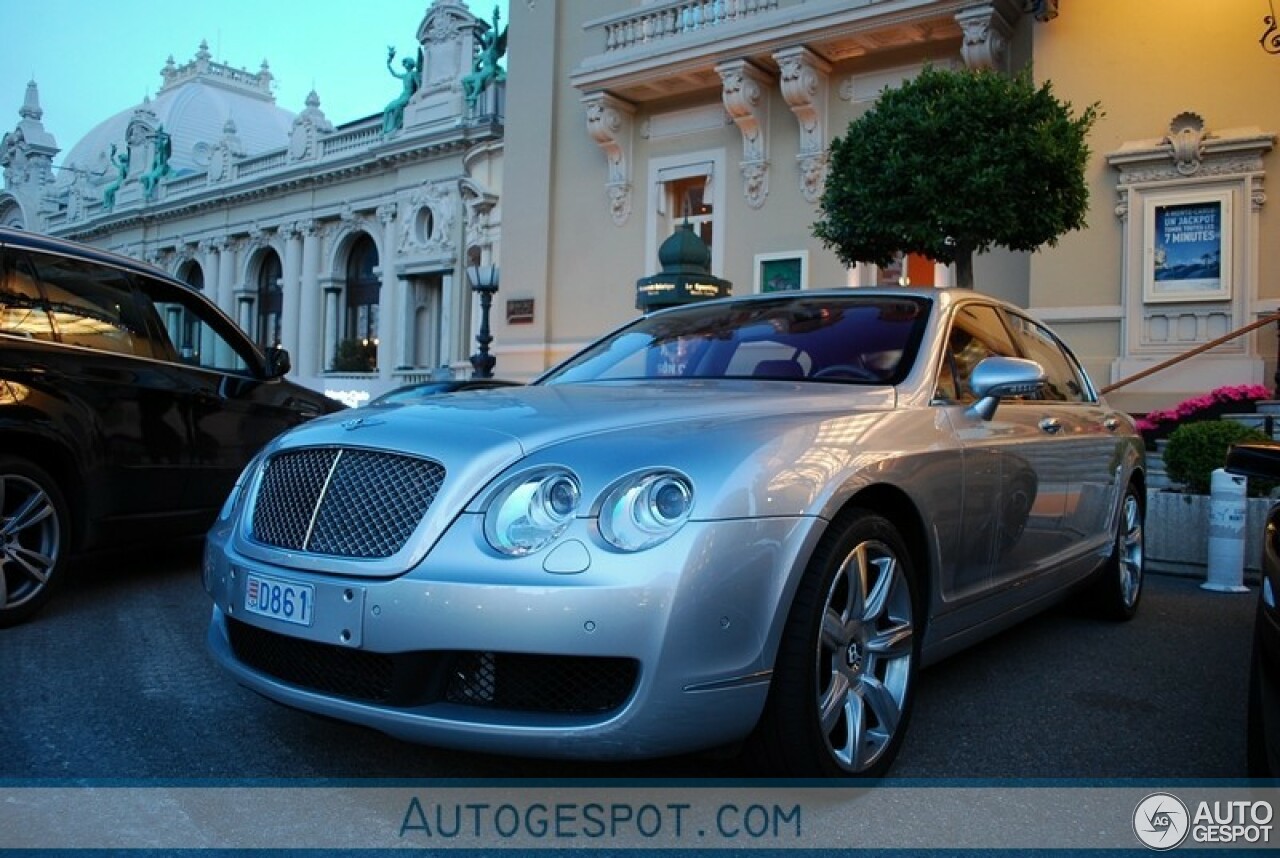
129, 404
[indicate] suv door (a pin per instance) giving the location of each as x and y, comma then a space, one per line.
235, 402
102, 378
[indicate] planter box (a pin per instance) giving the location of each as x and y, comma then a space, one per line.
1177, 533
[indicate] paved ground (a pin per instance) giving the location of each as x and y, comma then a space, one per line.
112, 681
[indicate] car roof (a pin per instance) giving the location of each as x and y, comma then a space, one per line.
19, 238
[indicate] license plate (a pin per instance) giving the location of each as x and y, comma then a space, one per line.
279, 600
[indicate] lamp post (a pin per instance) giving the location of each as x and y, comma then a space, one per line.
484, 282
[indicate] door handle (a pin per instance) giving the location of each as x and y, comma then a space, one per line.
40, 371
1051, 425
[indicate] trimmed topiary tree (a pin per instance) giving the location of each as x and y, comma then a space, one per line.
1196, 450
954, 162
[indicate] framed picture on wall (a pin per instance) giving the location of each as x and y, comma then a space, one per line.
782, 272
1187, 247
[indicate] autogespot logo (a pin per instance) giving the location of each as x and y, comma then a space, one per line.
1160, 821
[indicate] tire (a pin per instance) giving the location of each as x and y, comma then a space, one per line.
1259, 750
1118, 589
844, 677
34, 537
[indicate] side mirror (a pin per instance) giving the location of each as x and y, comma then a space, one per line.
995, 378
278, 363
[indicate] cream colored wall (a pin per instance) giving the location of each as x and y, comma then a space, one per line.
1147, 61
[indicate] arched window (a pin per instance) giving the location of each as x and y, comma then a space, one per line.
362, 302
270, 300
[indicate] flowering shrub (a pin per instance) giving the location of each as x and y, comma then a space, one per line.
1210, 406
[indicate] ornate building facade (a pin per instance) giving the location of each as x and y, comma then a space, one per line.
720, 111
345, 244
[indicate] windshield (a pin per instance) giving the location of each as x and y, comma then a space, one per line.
862, 339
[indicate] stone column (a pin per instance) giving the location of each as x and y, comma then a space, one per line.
391, 300
332, 322
226, 295
310, 336
245, 300
291, 274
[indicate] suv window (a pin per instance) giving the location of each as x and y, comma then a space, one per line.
92, 306
191, 327
22, 308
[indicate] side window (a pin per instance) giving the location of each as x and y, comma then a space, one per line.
977, 332
92, 306
1066, 382
23, 311
194, 329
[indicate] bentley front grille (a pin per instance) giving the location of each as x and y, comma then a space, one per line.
343, 502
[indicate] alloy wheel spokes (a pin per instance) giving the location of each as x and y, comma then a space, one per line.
33, 510
29, 540
36, 564
893, 642
1131, 551
834, 703
865, 642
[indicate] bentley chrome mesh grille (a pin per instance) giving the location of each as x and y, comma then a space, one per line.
343, 502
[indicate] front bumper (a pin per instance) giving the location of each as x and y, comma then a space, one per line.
666, 650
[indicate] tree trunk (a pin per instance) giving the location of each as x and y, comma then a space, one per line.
964, 268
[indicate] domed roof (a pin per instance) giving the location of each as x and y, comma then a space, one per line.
195, 105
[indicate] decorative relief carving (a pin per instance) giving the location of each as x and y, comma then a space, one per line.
430, 220
610, 122
805, 80
1186, 139
986, 38
744, 87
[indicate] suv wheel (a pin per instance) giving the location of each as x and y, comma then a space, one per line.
34, 532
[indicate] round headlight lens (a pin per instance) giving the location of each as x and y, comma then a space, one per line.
531, 511
645, 510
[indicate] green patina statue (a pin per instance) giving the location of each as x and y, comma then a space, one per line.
159, 163
121, 162
411, 78
493, 46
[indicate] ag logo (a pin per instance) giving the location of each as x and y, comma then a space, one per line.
1160, 821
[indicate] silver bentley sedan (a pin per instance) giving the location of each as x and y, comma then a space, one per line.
747, 519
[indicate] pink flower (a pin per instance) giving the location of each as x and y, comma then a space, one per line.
1201, 407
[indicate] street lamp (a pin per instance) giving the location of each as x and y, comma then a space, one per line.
484, 282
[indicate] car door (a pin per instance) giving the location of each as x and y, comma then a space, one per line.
233, 407
1089, 448
1016, 478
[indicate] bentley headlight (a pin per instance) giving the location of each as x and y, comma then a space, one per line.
531, 510
233, 496
646, 509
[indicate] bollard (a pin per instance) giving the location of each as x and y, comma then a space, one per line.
1227, 516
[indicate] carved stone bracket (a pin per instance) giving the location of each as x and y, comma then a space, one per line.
744, 96
805, 80
611, 122
986, 38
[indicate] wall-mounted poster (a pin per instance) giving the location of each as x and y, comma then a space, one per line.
782, 272
1188, 247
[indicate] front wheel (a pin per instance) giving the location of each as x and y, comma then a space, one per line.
33, 539
844, 677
